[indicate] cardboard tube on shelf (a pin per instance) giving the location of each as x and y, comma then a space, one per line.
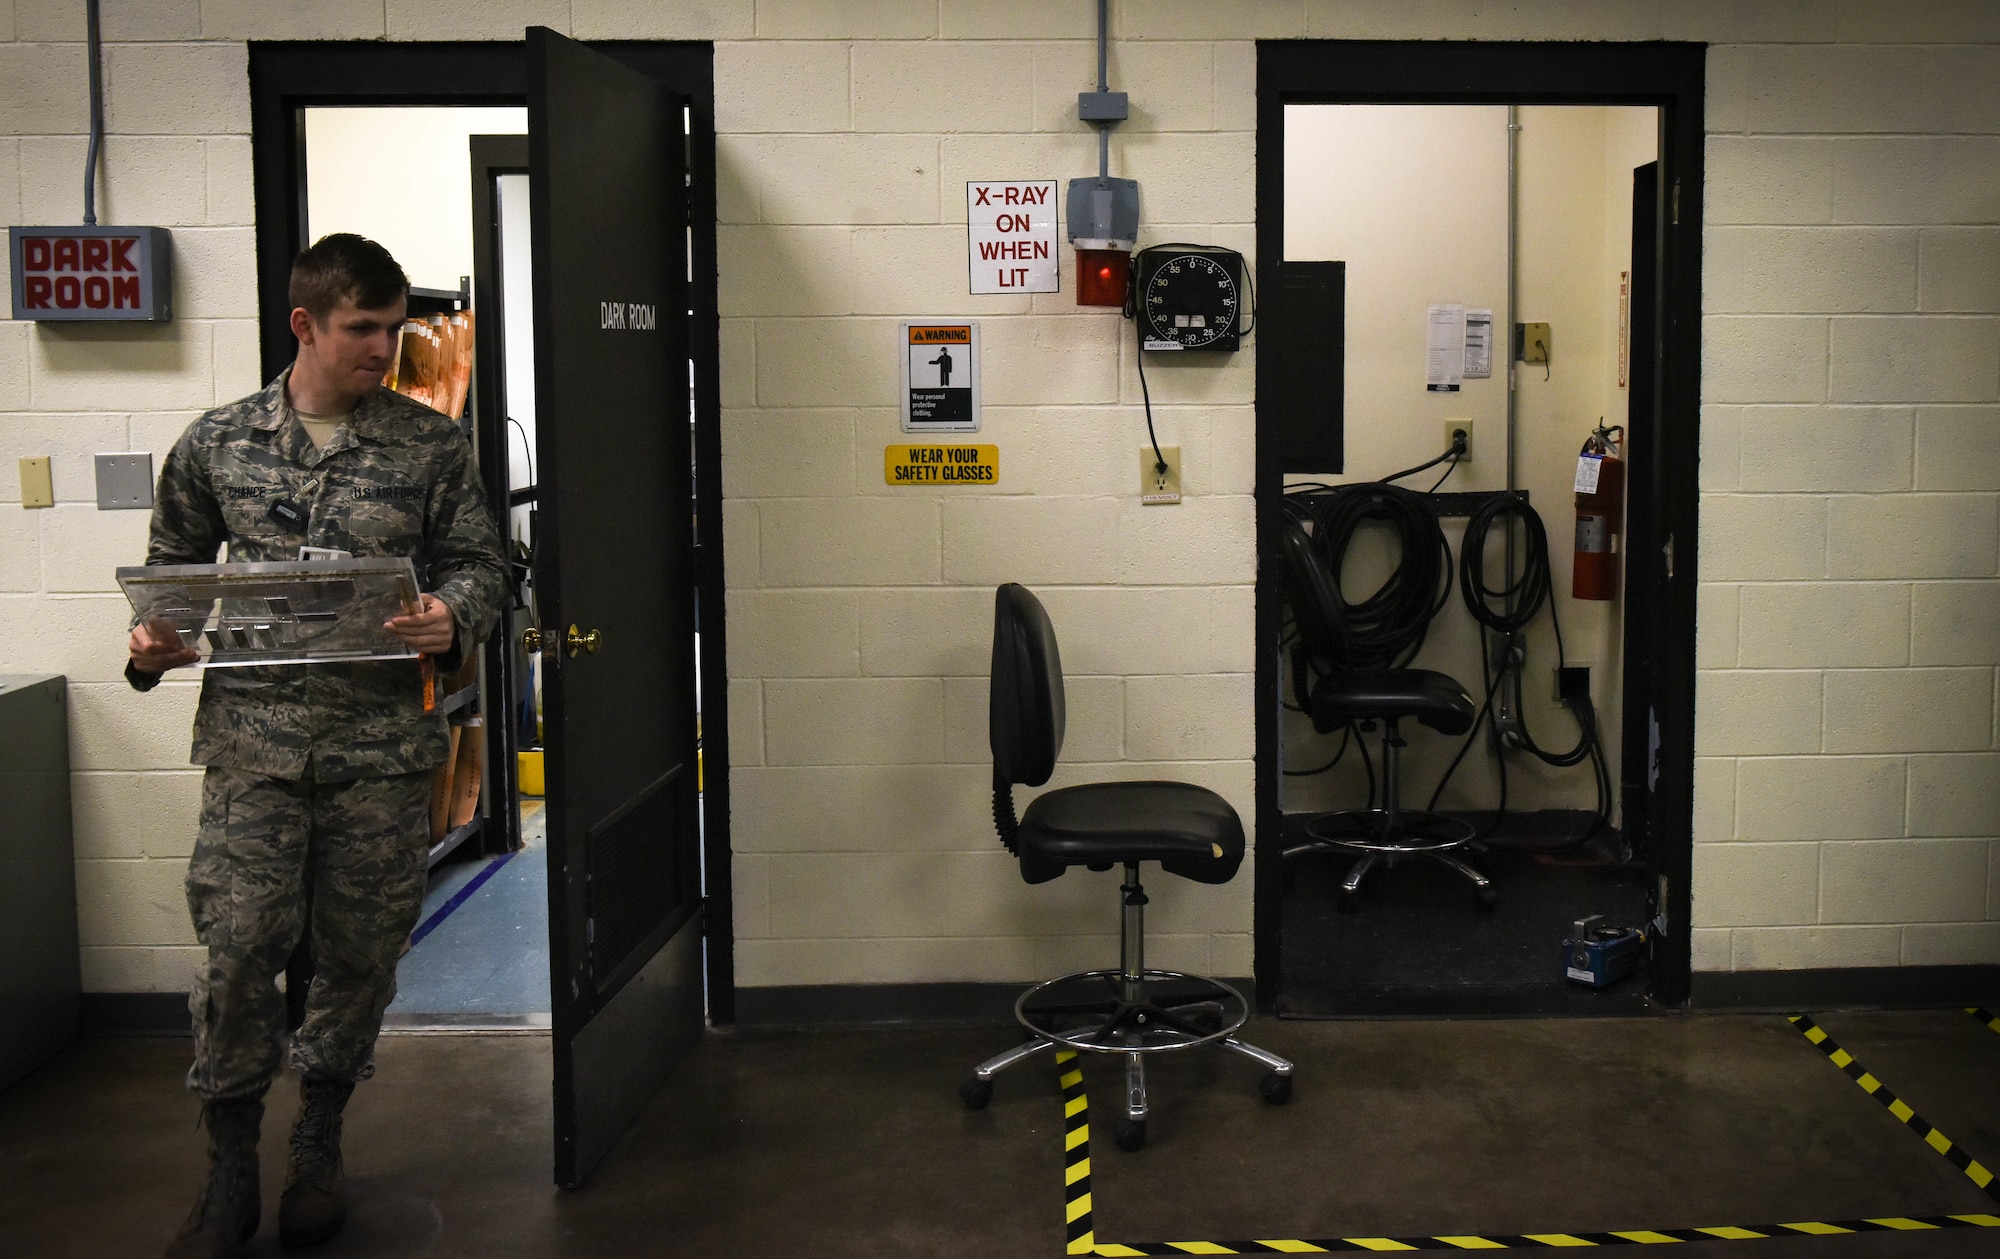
466, 771
441, 791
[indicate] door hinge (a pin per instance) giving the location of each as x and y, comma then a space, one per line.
1674, 212
1668, 552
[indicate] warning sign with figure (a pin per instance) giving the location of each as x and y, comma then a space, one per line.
940, 377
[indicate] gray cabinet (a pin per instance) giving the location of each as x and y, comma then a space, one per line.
39, 979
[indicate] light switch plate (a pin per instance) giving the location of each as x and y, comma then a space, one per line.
37, 489
125, 481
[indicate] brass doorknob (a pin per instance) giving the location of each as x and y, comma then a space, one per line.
580, 641
531, 641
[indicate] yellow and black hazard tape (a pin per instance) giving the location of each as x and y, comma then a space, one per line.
1896, 1106
1076, 1156
1082, 1239
1985, 1016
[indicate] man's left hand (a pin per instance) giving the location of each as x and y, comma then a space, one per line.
430, 631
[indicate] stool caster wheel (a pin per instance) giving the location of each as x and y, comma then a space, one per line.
1488, 898
1276, 1088
1129, 1135
975, 1092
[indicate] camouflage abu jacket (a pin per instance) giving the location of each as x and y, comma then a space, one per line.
398, 479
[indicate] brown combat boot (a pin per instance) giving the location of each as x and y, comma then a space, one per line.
311, 1210
225, 1216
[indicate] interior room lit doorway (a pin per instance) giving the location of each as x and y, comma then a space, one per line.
1543, 202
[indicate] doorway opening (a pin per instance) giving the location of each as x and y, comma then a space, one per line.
1486, 270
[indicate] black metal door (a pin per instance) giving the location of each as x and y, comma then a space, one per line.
615, 580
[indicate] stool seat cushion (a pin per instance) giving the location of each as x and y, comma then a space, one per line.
1435, 699
1189, 830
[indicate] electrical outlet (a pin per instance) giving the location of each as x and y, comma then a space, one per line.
1571, 681
1157, 488
1533, 342
37, 489
1452, 427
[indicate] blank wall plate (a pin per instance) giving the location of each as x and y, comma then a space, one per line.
1534, 343
125, 481
1157, 488
37, 488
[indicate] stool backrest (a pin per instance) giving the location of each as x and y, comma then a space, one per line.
1025, 705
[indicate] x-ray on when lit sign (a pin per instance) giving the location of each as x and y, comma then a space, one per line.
1010, 236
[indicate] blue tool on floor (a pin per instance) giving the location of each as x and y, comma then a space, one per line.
1600, 955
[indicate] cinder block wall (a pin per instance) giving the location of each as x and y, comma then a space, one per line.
1850, 624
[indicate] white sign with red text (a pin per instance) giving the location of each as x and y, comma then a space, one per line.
1010, 236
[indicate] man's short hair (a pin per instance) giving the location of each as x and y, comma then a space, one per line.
341, 266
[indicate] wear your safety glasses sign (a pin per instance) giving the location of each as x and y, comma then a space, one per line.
940, 371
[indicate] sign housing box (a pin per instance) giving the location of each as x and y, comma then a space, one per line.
92, 273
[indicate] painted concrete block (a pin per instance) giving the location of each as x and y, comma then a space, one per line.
183, 89
69, 440
231, 192
1955, 795
293, 19
1820, 797
1036, 541
1171, 84
1017, 19
215, 273
842, 179
1722, 447
1801, 948
1955, 622
738, 354
869, 19
940, 632
1827, 448
113, 727
767, 963
1461, 19
643, 19
1809, 270
1154, 631
1200, 541
863, 808
1763, 537
750, 895
100, 367
1754, 179
132, 902
828, 362
785, 270
1952, 944
1755, 885
746, 722
20, 549
944, 87
1916, 358
1904, 87
1714, 799
1192, 19
849, 542
915, 272
1717, 611
1193, 178
1913, 535
236, 359
1911, 880
1804, 625
42, 96
1915, 179
1909, 710
1711, 948
794, 634
122, 21
82, 547
116, 969
1031, 360
1958, 269
1756, 713
14, 391
83, 637
788, 453
1205, 718
1958, 448
853, 721
741, 549
125, 816
1765, 358
158, 180
931, 959
473, 19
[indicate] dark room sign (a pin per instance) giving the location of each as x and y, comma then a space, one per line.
81, 273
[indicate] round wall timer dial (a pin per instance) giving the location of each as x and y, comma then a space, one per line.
1191, 301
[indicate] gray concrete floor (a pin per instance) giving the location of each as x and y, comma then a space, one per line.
853, 1143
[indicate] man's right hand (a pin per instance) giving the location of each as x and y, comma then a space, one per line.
156, 648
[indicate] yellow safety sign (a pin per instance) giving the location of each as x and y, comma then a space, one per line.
938, 464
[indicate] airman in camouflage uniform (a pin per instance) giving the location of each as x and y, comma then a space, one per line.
316, 800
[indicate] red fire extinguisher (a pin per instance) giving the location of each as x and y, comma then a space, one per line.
1600, 514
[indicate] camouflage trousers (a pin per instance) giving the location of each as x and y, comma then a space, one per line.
275, 858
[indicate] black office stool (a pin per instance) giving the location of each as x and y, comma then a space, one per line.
1192, 832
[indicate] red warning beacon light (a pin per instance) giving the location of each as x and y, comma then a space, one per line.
1102, 276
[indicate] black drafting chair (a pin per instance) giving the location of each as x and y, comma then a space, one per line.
1342, 696
1189, 830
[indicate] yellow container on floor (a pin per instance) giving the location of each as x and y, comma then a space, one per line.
529, 771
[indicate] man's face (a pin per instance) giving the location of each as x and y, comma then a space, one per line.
354, 348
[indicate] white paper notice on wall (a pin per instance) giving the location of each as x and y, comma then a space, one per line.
1478, 344
1010, 236
1587, 469
1446, 348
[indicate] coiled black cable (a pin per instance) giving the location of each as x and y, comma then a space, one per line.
1387, 629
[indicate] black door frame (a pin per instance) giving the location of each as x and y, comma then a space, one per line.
287, 76
1663, 463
